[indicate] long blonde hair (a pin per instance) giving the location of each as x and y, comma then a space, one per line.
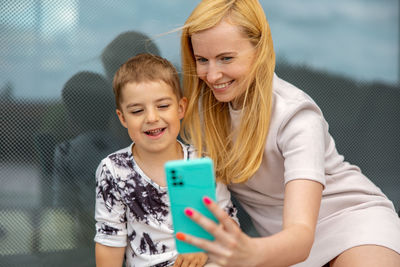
235, 162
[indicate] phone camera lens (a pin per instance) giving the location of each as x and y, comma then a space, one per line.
173, 177
180, 183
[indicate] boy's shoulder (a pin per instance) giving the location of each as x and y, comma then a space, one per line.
189, 151
121, 157
125, 150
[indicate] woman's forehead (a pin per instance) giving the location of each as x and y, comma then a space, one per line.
222, 38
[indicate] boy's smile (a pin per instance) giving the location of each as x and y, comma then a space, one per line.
155, 133
151, 112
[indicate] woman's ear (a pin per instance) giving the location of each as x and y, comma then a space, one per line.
182, 107
121, 118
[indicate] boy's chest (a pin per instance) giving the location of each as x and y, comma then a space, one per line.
157, 175
145, 202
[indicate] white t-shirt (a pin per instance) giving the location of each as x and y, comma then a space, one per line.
132, 211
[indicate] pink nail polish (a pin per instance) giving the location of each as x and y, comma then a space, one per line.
207, 200
188, 212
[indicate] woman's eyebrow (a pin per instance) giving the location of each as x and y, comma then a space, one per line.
220, 54
226, 54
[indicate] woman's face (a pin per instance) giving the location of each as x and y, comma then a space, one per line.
223, 57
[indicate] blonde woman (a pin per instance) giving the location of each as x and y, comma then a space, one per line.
271, 146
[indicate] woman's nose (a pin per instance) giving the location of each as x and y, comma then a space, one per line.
213, 73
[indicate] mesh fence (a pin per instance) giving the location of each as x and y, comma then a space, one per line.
50, 146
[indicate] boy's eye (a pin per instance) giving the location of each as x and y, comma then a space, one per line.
163, 106
136, 111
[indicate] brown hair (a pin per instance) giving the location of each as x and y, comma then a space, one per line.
146, 68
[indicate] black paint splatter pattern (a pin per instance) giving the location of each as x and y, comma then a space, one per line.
108, 230
132, 210
143, 199
164, 264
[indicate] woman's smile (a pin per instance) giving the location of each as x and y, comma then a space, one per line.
222, 86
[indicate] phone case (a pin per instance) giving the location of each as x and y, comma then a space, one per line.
188, 182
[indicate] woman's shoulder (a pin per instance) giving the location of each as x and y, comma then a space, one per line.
288, 100
288, 97
288, 93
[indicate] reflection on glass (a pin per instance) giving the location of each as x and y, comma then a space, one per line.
47, 157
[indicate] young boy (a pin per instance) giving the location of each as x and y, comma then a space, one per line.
132, 209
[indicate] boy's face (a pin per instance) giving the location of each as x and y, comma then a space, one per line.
151, 112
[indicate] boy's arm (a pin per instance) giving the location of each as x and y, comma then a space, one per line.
109, 256
111, 232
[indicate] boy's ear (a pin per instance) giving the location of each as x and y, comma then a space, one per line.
182, 107
121, 118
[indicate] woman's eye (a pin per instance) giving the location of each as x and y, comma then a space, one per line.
201, 60
226, 59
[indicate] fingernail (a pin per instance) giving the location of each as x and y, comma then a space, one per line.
207, 200
188, 212
180, 236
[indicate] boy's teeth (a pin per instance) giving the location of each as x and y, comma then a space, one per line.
153, 132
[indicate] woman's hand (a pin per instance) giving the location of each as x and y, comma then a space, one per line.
292, 245
191, 260
231, 246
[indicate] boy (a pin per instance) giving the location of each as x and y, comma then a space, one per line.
132, 209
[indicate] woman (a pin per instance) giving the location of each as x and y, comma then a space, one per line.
271, 145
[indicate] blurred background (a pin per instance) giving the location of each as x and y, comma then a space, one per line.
57, 121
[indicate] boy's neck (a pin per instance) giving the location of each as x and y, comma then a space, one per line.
152, 164
173, 153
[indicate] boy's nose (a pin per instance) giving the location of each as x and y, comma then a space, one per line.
152, 116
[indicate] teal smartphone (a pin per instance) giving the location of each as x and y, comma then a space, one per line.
188, 181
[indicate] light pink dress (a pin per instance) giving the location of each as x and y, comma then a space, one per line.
353, 210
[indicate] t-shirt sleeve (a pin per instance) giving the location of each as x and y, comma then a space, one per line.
302, 144
224, 201
110, 211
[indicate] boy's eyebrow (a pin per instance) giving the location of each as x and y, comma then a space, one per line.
130, 105
164, 98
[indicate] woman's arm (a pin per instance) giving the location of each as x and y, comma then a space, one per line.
109, 256
300, 215
232, 247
